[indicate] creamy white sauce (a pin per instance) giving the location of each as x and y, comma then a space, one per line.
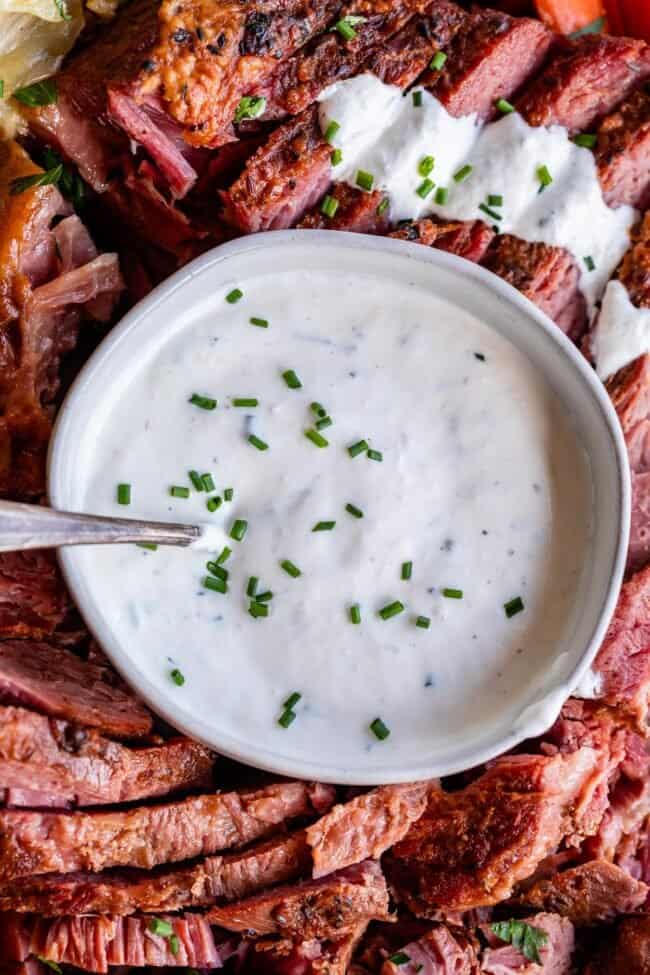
591, 685
483, 486
622, 331
383, 133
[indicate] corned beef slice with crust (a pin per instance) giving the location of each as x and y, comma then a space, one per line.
441, 951
33, 599
626, 951
357, 212
465, 238
623, 152
591, 893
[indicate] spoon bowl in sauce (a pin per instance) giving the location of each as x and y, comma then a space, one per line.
423, 488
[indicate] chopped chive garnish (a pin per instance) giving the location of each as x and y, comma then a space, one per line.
461, 175
424, 622
324, 423
239, 529
329, 206
479, 356
318, 409
336, 157
425, 188
590, 264
213, 504
160, 927
495, 200
250, 106
382, 206
39, 93
264, 597
438, 61
177, 676
353, 510
407, 570
375, 455
208, 482
331, 130
124, 494
586, 140
505, 107
291, 379
290, 568
316, 438
251, 588
245, 401
346, 26
174, 944
215, 584
150, 546
442, 195
258, 609
195, 478
358, 448
490, 212
364, 179
544, 177
224, 555
287, 717
391, 609
292, 700
228, 494
256, 442
177, 491
417, 99
260, 322
399, 958
233, 296
379, 729
217, 570
52, 965
425, 166
355, 614
514, 606
452, 593
204, 402
323, 526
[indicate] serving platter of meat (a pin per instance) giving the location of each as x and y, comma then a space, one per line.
124, 844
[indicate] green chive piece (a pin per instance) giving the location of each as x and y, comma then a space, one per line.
461, 175
214, 584
251, 588
177, 676
544, 177
323, 526
426, 165
124, 494
324, 423
382, 206
260, 322
329, 206
490, 212
233, 296
514, 606
355, 614
228, 494
358, 448
424, 622
505, 107
258, 610
379, 729
150, 546
291, 379
407, 570
331, 130
51, 177
204, 402
250, 106
353, 510
346, 26
217, 570
442, 195
318, 409
290, 568
264, 597
399, 958
245, 401
336, 157
174, 945
391, 609
226, 552
239, 529
590, 264
375, 455
53, 965
195, 478
213, 504
40, 93
2, 88
438, 61
207, 482
417, 99
256, 442
160, 927
177, 491
364, 179
292, 700
452, 593
425, 188
287, 717
316, 438
495, 200
586, 140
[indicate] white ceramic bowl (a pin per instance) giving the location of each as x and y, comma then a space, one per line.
461, 283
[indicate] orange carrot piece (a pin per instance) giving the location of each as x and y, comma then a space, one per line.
566, 16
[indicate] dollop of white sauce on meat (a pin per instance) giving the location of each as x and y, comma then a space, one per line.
383, 132
483, 486
622, 331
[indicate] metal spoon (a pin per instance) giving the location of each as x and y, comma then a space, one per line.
24, 526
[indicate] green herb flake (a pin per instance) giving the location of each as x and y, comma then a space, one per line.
586, 140
174, 944
291, 569
228, 494
490, 212
505, 107
329, 206
590, 264
258, 610
124, 494
544, 177
291, 379
379, 729
360, 447
245, 401
203, 402
336, 157
40, 93
417, 99
399, 958
353, 510
382, 206
160, 927
424, 189
213, 504
292, 700
391, 609
364, 180
438, 61
355, 614
331, 130
62, 9
260, 322
239, 529
316, 438
195, 478
514, 606
215, 584
149, 546
346, 26
452, 593
234, 296
287, 717
250, 106
524, 937
406, 571
375, 455
423, 622
257, 443
442, 195
225, 554
323, 526
463, 173
177, 676
208, 482
48, 178
426, 165
178, 491
50, 964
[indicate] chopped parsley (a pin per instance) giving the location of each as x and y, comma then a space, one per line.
40, 93
526, 938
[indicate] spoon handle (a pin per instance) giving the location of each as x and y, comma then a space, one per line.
24, 526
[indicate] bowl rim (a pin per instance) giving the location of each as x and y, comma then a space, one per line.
471, 273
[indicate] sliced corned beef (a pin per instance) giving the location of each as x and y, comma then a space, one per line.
441, 951
218, 878
77, 765
585, 80
623, 153
556, 955
357, 211
638, 553
593, 892
365, 827
634, 271
56, 682
33, 598
146, 836
306, 958
324, 909
626, 951
402, 59
464, 238
629, 391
